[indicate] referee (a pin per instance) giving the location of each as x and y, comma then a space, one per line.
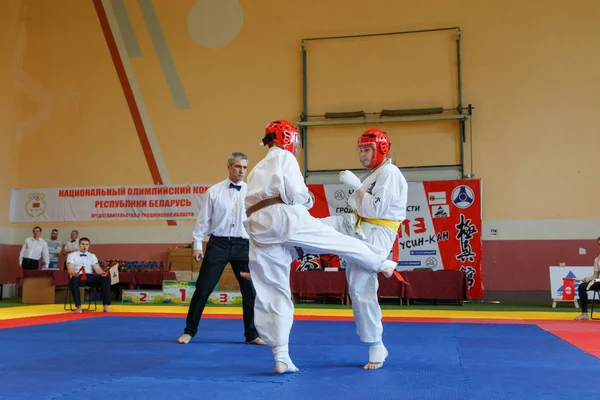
221, 215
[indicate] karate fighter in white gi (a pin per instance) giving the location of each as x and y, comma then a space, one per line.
379, 199
277, 204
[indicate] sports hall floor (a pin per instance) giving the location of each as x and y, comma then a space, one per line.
477, 351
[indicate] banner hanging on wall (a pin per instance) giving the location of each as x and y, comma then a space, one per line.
442, 230
106, 203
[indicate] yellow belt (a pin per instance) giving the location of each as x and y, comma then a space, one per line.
388, 223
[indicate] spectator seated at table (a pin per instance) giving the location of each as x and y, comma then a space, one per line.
81, 266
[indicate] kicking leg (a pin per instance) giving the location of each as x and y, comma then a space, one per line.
316, 237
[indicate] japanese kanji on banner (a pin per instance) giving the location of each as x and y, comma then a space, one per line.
442, 230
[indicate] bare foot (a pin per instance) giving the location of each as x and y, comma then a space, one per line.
373, 365
282, 368
257, 341
246, 275
582, 317
106, 309
184, 339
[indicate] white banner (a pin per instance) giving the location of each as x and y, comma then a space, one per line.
558, 273
106, 203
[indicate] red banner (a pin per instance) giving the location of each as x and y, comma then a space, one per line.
442, 230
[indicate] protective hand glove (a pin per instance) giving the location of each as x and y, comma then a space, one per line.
348, 178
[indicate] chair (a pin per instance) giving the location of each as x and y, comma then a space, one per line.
592, 306
92, 293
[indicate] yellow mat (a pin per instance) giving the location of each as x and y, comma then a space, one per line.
53, 309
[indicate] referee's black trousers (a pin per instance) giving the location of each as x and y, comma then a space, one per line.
219, 252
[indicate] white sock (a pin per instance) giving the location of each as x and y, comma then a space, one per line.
377, 352
281, 354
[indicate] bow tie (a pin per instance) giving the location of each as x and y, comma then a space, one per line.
236, 187
82, 255
73, 241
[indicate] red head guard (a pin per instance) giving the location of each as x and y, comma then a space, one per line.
380, 142
284, 134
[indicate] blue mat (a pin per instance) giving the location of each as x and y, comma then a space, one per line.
138, 358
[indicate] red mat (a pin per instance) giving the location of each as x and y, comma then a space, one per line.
45, 319
581, 334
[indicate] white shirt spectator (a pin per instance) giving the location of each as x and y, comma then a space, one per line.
222, 212
34, 249
85, 260
72, 245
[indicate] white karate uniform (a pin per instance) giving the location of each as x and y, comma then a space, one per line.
276, 229
385, 198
